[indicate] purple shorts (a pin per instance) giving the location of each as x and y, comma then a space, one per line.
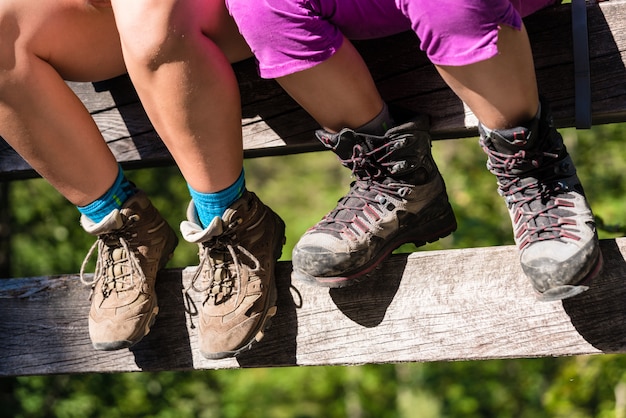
288, 36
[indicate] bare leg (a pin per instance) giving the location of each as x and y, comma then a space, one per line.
188, 87
340, 93
186, 83
552, 221
42, 43
346, 94
501, 91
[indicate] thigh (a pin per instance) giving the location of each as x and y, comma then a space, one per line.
153, 26
459, 32
288, 36
78, 39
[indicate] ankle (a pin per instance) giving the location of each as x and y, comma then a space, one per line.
212, 205
379, 125
114, 198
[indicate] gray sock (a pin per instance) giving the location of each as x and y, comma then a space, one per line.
379, 125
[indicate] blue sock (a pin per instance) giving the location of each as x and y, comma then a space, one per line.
113, 199
210, 205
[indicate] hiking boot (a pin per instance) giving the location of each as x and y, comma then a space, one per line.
238, 253
133, 244
398, 196
553, 226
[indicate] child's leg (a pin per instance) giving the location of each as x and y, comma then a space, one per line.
43, 43
333, 82
511, 74
552, 223
306, 51
185, 81
399, 195
40, 117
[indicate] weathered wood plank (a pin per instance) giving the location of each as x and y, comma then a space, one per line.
273, 124
468, 304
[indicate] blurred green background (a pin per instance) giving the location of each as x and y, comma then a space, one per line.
302, 188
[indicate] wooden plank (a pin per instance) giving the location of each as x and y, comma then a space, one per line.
468, 304
273, 124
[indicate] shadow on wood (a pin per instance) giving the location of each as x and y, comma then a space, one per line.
599, 315
366, 303
161, 345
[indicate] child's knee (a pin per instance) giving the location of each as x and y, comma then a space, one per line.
152, 33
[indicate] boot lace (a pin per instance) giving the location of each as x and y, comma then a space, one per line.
117, 264
376, 163
538, 203
214, 276
370, 195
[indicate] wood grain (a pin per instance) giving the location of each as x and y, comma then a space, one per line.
468, 304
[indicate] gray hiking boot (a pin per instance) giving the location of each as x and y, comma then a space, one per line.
553, 226
398, 196
238, 253
133, 244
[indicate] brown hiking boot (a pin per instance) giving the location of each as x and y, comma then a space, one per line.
133, 244
238, 253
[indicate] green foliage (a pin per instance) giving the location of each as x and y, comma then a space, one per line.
601, 163
302, 188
